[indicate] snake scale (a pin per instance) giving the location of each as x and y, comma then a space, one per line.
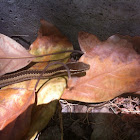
75, 68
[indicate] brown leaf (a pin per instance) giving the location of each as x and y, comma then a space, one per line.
47, 100
15, 112
12, 103
50, 40
10, 48
48, 91
114, 69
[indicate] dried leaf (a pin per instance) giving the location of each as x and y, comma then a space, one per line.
114, 69
15, 112
10, 48
48, 97
50, 40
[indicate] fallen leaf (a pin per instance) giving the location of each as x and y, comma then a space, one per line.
10, 48
48, 91
114, 69
50, 40
15, 112
47, 100
134, 40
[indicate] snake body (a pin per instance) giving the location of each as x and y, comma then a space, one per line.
74, 67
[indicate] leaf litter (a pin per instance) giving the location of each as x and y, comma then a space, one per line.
119, 106
118, 118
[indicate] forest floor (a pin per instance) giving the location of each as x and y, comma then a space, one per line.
117, 119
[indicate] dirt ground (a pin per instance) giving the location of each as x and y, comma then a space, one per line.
118, 119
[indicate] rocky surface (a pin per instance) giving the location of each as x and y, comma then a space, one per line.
102, 18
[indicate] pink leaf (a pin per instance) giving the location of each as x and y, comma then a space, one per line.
10, 48
114, 69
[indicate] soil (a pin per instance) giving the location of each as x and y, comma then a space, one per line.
118, 119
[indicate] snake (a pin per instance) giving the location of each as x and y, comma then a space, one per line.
75, 68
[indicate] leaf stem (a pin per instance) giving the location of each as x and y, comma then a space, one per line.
67, 51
